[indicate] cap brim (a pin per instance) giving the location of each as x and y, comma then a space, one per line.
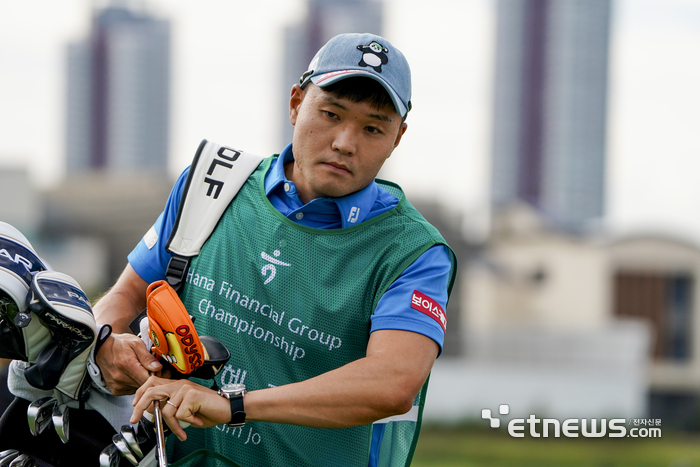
329, 78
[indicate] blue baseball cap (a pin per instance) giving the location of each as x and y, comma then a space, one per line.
363, 55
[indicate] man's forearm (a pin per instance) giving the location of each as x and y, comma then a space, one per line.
123, 302
337, 399
380, 385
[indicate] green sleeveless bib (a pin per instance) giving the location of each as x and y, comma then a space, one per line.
292, 302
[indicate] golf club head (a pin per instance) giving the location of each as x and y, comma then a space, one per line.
23, 460
129, 435
123, 447
60, 422
39, 414
8, 456
110, 456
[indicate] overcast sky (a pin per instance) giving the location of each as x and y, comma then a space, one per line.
226, 62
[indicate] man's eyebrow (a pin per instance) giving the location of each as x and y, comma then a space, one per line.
331, 100
382, 117
377, 116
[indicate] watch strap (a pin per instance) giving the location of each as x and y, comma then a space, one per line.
237, 410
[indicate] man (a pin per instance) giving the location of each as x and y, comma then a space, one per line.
342, 326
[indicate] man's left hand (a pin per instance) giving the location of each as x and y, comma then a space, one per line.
186, 401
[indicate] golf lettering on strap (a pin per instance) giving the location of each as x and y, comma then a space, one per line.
430, 307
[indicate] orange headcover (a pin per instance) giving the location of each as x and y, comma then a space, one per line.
171, 329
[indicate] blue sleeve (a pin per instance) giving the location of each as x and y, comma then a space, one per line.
150, 263
409, 303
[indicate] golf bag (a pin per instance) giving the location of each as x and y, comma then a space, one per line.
47, 328
211, 186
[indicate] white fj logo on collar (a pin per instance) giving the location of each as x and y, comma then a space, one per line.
271, 267
354, 215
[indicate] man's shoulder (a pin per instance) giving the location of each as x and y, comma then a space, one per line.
406, 210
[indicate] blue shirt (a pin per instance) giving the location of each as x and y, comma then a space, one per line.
428, 274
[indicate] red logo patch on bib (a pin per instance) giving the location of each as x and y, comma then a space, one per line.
430, 307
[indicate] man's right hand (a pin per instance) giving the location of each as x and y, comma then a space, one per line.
124, 360
125, 363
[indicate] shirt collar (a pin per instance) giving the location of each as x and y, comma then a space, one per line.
275, 175
352, 208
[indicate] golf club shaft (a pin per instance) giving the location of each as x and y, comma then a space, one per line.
160, 435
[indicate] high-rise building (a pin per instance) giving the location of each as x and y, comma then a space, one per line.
325, 19
550, 107
118, 93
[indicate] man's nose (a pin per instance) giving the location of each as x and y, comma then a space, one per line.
345, 140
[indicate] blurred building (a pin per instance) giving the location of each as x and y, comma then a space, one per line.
113, 211
21, 205
81, 256
562, 325
118, 94
117, 139
655, 279
324, 20
550, 107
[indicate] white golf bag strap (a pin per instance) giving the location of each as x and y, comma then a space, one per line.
216, 175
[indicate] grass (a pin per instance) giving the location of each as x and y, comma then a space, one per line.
484, 447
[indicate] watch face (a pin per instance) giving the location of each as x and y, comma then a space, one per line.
233, 388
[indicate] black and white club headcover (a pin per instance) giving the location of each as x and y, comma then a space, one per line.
21, 338
62, 306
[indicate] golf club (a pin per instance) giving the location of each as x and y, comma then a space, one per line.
129, 435
8, 456
160, 435
121, 444
60, 421
23, 460
39, 414
110, 456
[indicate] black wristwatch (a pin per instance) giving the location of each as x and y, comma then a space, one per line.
234, 393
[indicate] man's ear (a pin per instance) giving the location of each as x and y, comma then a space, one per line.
402, 130
297, 95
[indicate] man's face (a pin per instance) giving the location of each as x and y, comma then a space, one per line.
339, 145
